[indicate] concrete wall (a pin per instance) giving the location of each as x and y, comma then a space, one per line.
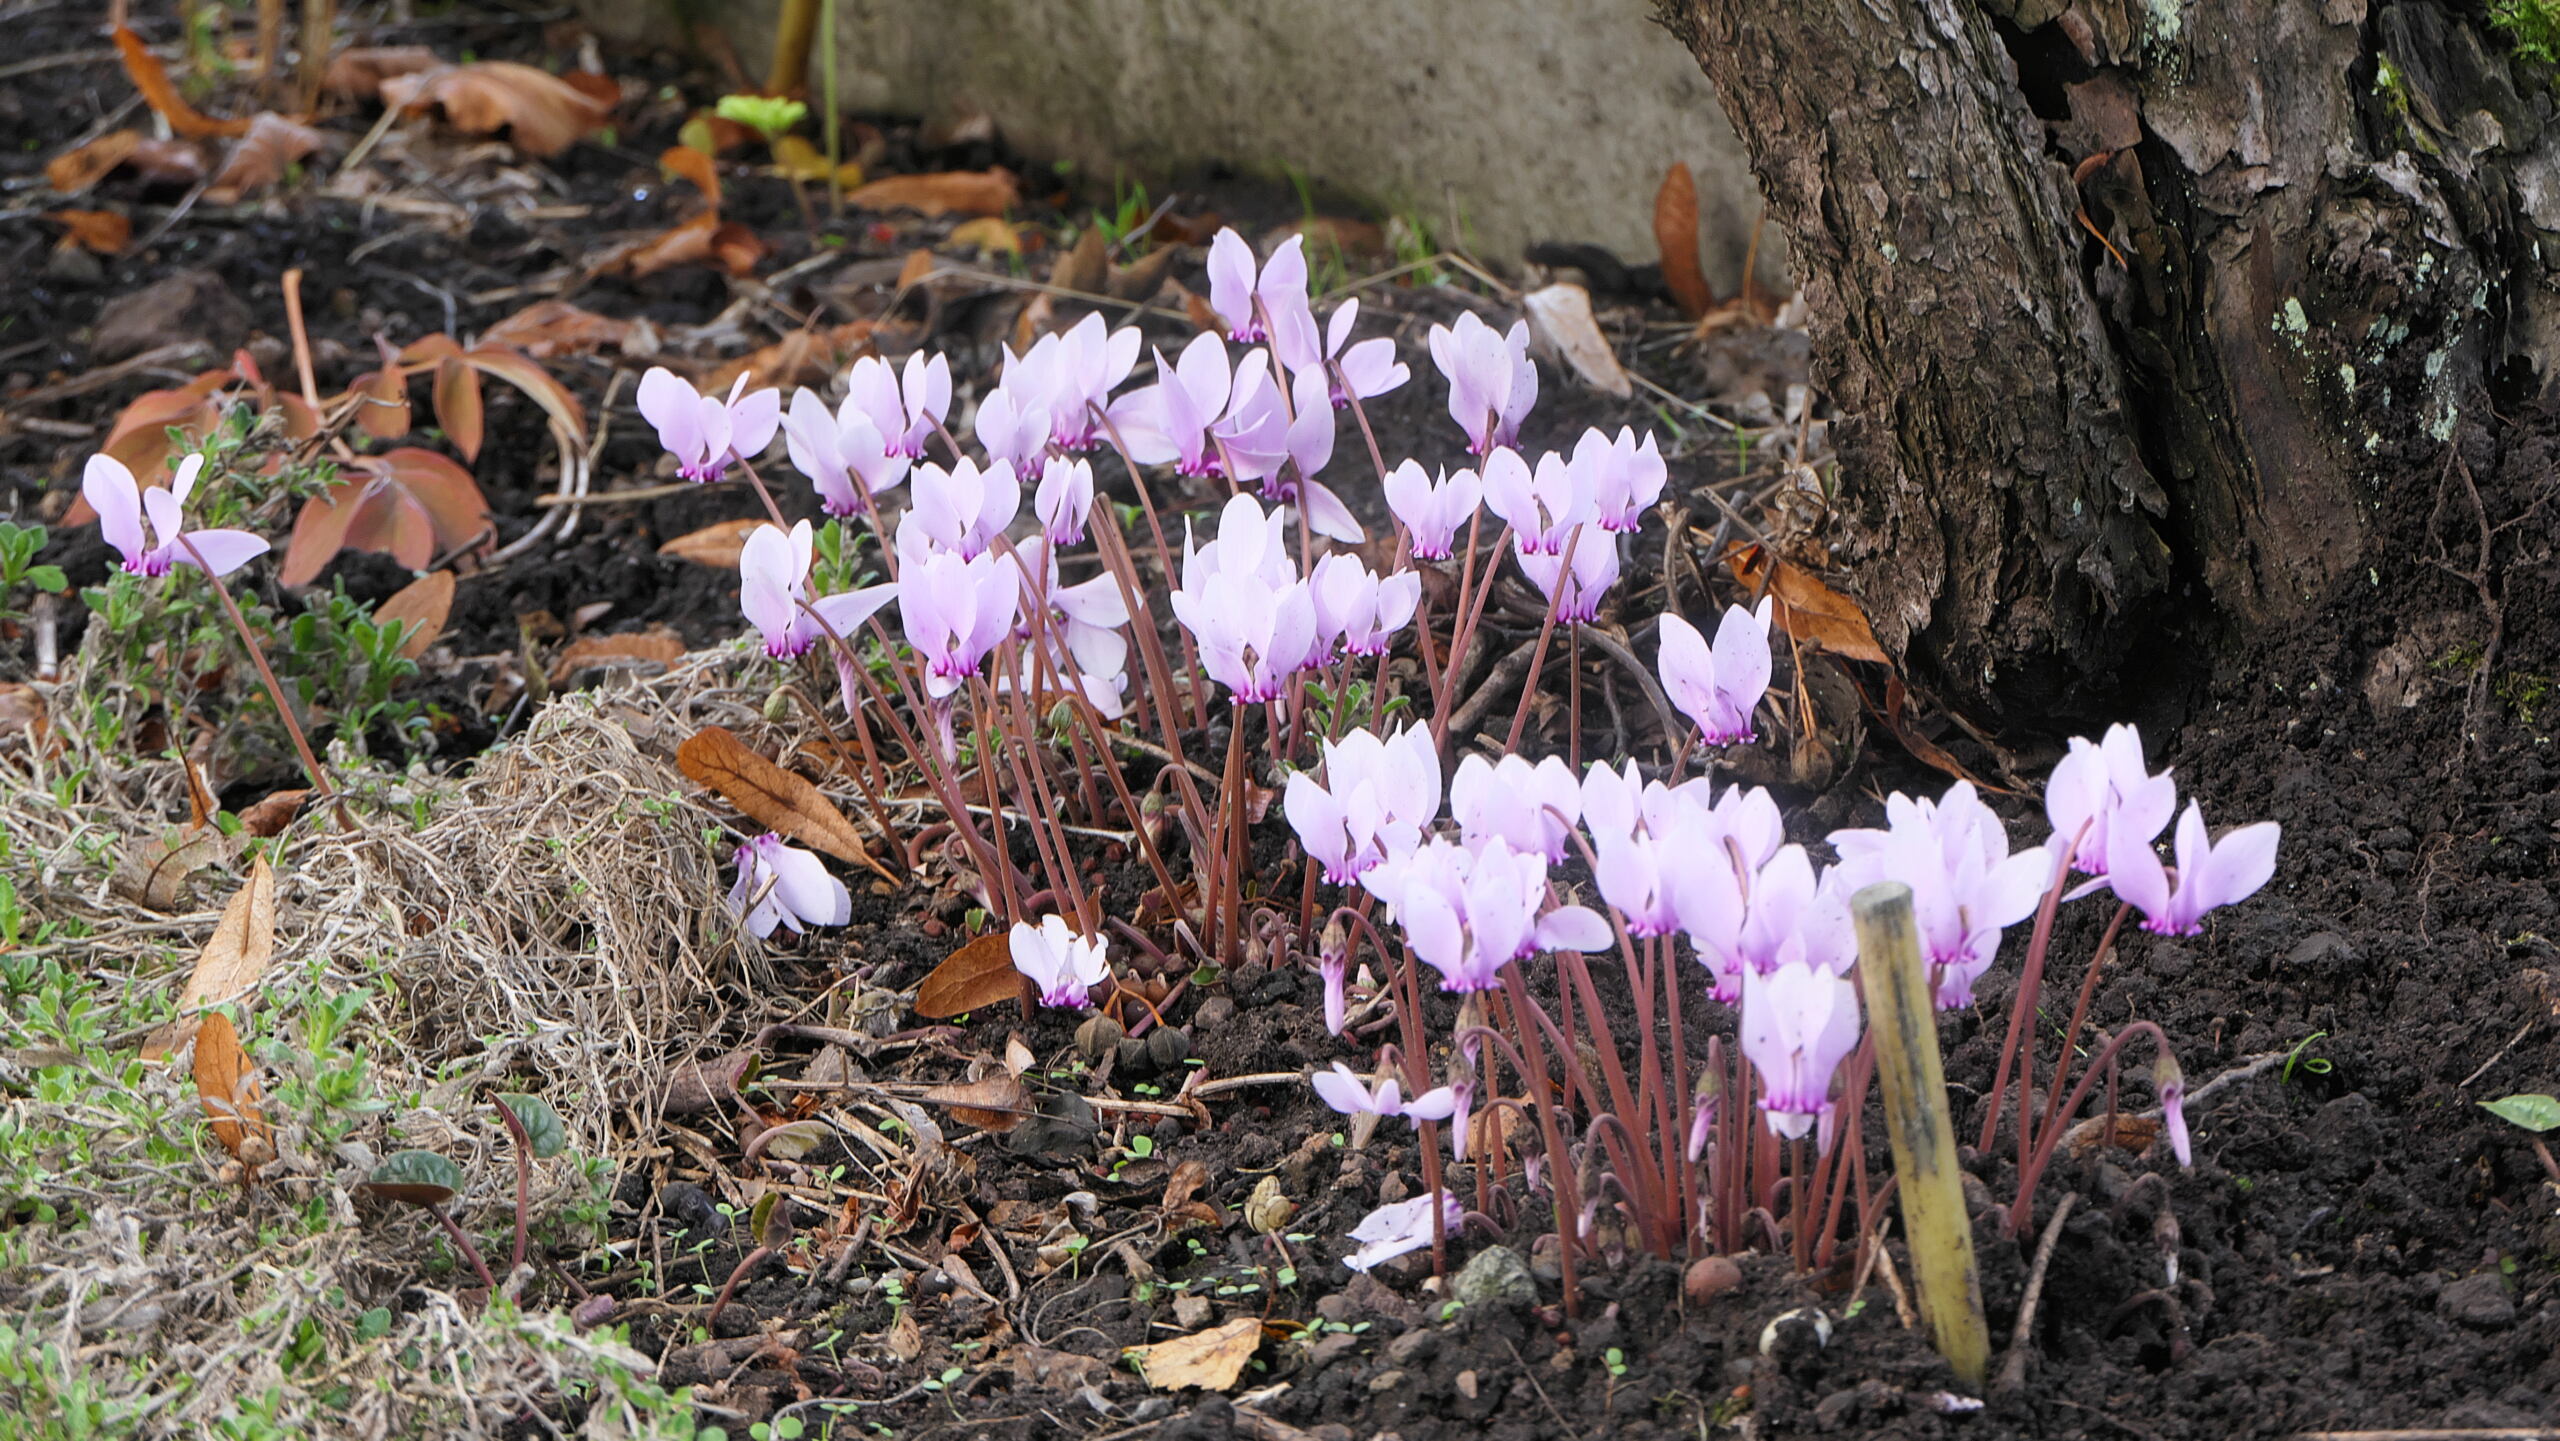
1531, 119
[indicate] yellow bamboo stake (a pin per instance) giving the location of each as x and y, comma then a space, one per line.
1895, 982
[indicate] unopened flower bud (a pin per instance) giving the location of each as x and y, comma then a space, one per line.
2172, 1085
1098, 1037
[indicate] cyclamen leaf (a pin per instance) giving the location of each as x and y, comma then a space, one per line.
420, 1178
407, 503
2533, 1112
457, 396
542, 1125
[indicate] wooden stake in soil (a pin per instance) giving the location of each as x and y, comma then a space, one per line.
1895, 982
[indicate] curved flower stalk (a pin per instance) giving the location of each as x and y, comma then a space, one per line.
704, 433
1252, 618
773, 592
122, 506
1064, 966
1718, 687
906, 414
1492, 382
785, 886
1532, 807
1373, 805
1470, 912
1966, 886
1574, 593
2210, 873
843, 454
1432, 513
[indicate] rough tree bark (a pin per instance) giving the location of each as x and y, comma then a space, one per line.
2068, 461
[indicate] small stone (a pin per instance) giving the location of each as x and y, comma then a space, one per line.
1336, 1308
1495, 1276
2320, 948
188, 307
2480, 1302
1467, 1384
1710, 1277
1369, 1296
1214, 1012
1977, 1195
1392, 1188
1385, 1381
1331, 1349
74, 266
1413, 1346
1190, 1312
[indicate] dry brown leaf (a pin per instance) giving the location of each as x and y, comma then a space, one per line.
457, 401
1086, 268
1675, 230
1210, 1360
153, 81
1140, 279
167, 162
906, 1338
991, 235
269, 817
804, 357
542, 113
703, 240
972, 978
994, 1102
550, 328
357, 73
422, 604
717, 546
1560, 315
1813, 613
950, 192
693, 165
157, 873
262, 158
232, 961
228, 1086
79, 168
102, 232
23, 713
2132, 1132
658, 643
772, 796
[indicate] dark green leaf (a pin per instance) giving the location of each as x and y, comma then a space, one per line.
542, 1125
420, 1178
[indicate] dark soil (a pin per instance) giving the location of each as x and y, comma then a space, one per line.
2358, 1244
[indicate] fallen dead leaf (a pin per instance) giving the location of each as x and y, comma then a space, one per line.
658, 643
693, 165
703, 240
76, 169
989, 234
167, 162
772, 796
1812, 612
951, 192
232, 962
906, 1338
804, 357
152, 80
422, 605
1086, 268
1141, 278
269, 817
357, 73
1675, 231
262, 158
1560, 315
22, 713
974, 977
549, 328
542, 113
157, 873
102, 232
717, 546
2132, 1132
1210, 1360
228, 1086
994, 1102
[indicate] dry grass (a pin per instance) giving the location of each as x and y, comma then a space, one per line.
554, 924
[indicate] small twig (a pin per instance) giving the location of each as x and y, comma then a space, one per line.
107, 375
2512, 1042
2013, 1367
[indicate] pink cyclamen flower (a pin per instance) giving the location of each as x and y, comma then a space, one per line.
1534, 807
1367, 369
122, 505
781, 885
773, 585
906, 414
1341, 1089
2171, 1082
961, 510
1013, 424
2099, 790
1168, 422
842, 453
1063, 965
1545, 506
1576, 594
1392, 1230
1374, 803
1357, 608
1244, 298
1492, 383
1470, 912
704, 433
1799, 1022
2210, 873
1718, 687
1335, 966
1284, 446
1253, 620
954, 611
1966, 886
1626, 477
1081, 635
1432, 514
1064, 499
1076, 371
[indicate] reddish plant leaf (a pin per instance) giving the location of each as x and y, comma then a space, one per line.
513, 367
457, 399
972, 978
385, 413
79, 168
772, 796
542, 113
102, 232
153, 81
262, 158
422, 605
1814, 613
951, 192
406, 503
1675, 231
428, 349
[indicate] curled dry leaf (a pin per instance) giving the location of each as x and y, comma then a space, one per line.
357, 73
1561, 316
457, 402
228, 1086
952, 192
262, 158
269, 817
994, 1102
101, 232
232, 962
804, 357
422, 605
1086, 268
542, 113
157, 872
82, 166
772, 796
153, 81
703, 240
1813, 613
657, 644
549, 328
1675, 231
1210, 1360
693, 165
972, 978
989, 234
717, 546
409, 504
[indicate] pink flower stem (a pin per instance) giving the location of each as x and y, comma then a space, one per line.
275, 692
1546, 632
2032, 1173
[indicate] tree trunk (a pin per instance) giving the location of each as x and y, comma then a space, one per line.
2066, 461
